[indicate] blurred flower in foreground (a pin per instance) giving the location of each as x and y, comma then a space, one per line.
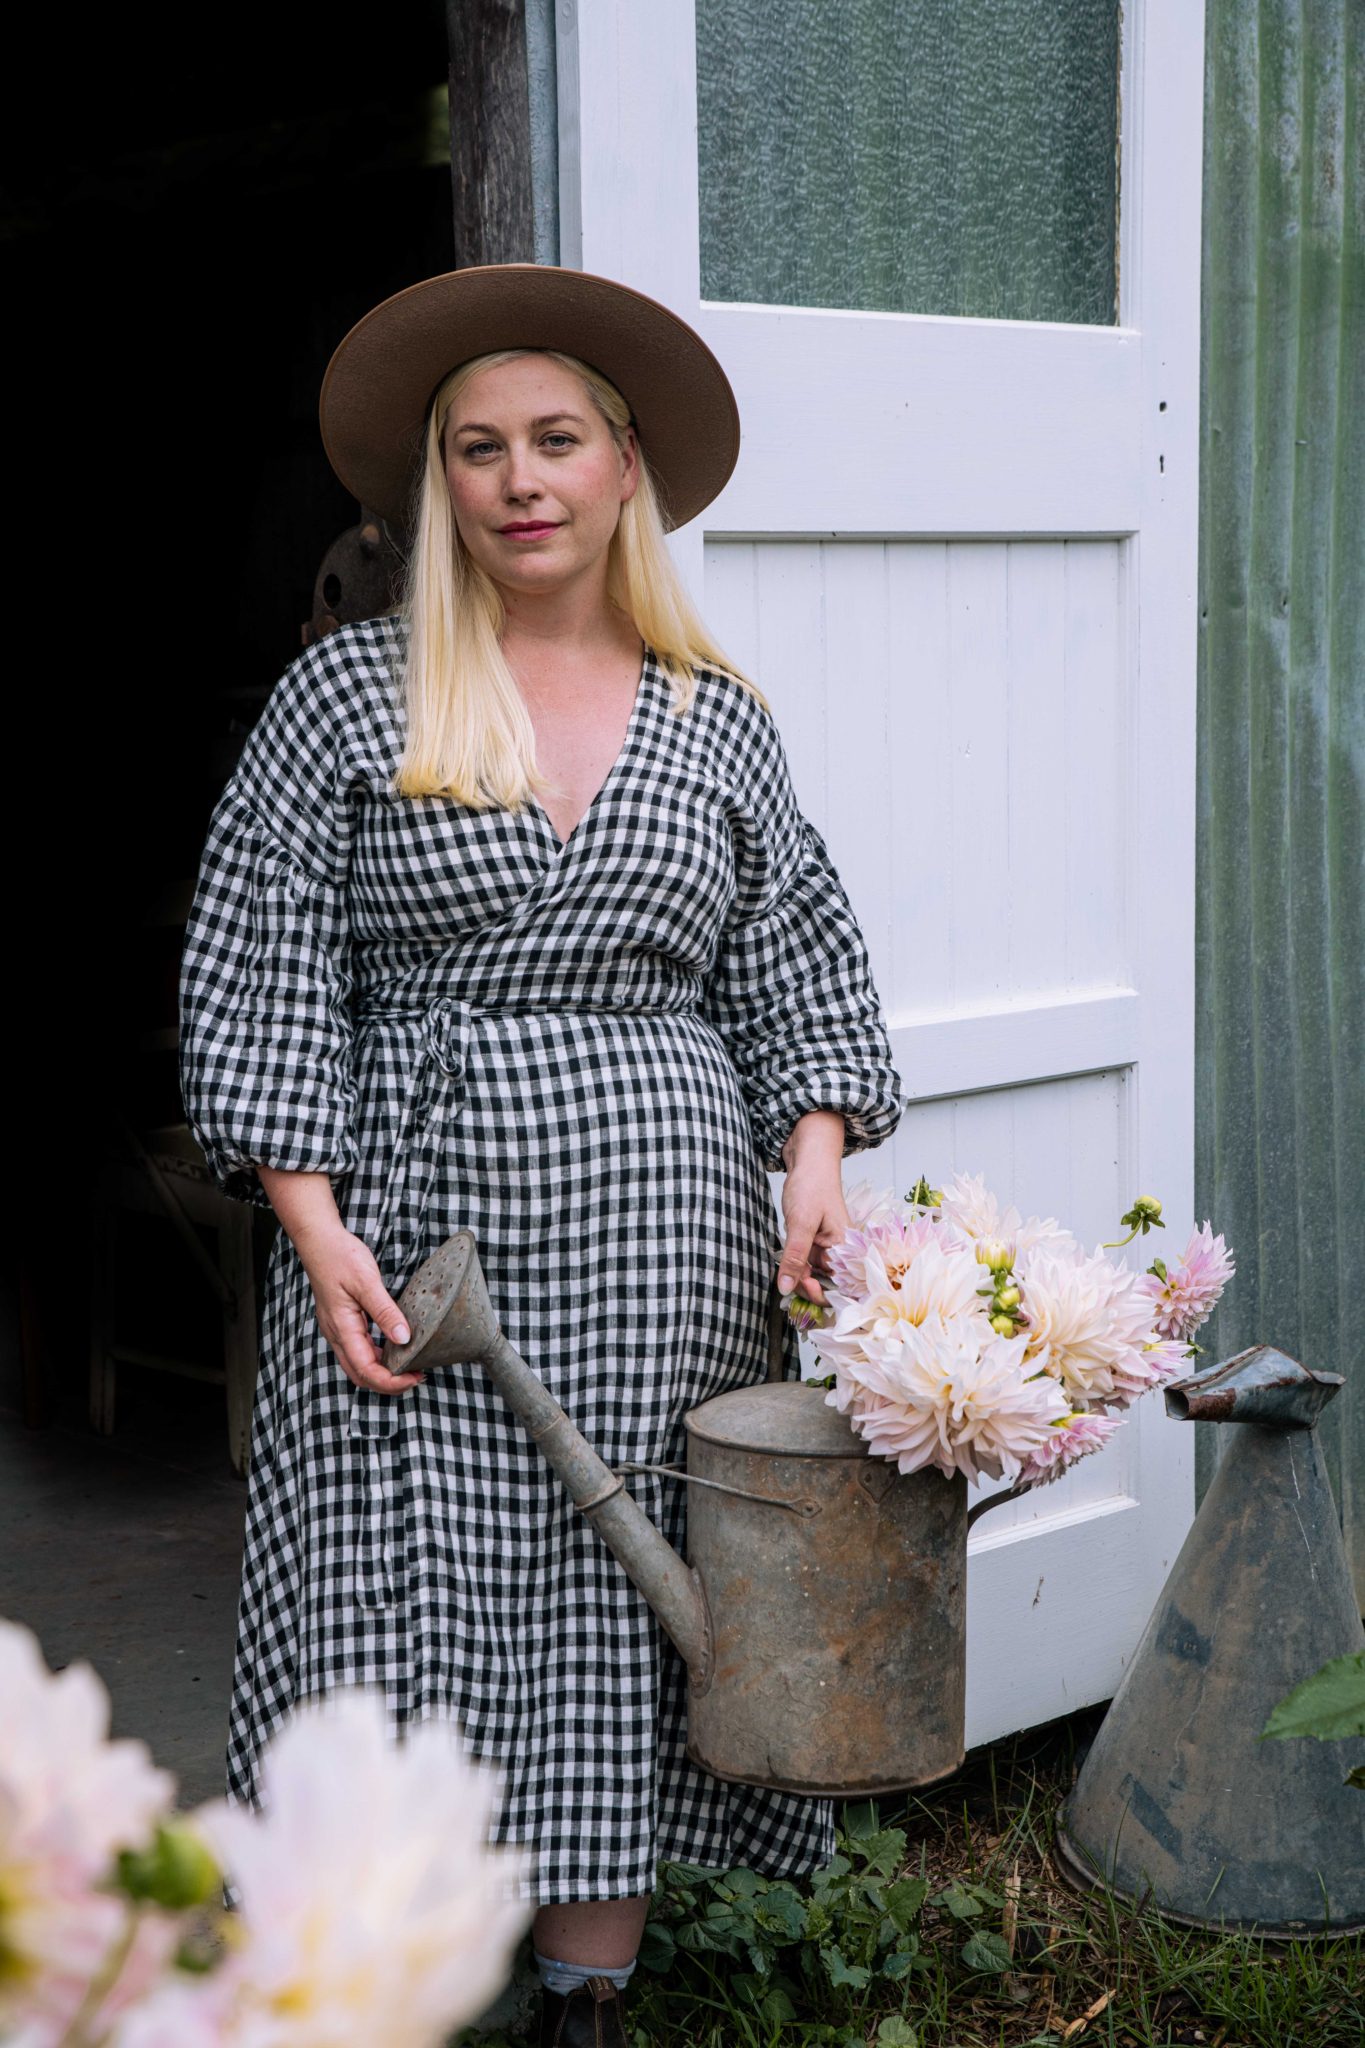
70, 1800
372, 1910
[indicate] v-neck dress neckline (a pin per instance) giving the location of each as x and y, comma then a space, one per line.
562, 846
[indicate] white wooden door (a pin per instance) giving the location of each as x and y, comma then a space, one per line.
959, 556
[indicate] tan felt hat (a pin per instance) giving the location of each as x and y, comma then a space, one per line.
385, 373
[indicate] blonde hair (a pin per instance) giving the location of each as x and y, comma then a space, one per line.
469, 732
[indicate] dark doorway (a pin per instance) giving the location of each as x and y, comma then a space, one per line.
196, 208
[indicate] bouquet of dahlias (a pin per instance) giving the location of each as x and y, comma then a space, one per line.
992, 1344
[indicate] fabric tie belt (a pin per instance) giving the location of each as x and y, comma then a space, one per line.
438, 1083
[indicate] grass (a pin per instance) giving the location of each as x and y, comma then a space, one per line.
944, 1925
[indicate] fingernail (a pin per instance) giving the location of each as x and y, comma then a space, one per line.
785, 1283
402, 1333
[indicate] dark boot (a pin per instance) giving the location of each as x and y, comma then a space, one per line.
589, 2017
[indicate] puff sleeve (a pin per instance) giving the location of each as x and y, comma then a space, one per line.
265, 980
790, 991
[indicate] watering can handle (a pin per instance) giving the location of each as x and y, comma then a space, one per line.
768, 1500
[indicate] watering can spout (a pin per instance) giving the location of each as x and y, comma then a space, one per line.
1262, 1385
452, 1321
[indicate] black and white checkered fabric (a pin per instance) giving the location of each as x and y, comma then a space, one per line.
587, 1055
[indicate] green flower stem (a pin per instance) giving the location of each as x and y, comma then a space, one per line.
78, 2034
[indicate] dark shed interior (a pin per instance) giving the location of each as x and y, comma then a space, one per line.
195, 209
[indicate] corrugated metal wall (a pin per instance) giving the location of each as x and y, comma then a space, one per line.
1280, 1051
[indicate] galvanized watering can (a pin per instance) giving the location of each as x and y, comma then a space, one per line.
821, 1612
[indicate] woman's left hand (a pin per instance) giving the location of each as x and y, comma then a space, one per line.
813, 1206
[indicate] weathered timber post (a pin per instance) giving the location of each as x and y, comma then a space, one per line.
504, 140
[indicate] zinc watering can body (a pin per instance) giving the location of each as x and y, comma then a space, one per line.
821, 1611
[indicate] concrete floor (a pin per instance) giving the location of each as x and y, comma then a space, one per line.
126, 1551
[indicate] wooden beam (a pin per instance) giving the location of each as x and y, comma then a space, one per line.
491, 157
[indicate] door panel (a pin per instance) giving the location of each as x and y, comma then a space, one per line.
958, 555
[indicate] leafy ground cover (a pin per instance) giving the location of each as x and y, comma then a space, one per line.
942, 1924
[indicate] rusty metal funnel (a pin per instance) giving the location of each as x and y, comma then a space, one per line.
1179, 1797
453, 1322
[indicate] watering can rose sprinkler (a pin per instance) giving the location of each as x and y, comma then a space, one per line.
821, 1610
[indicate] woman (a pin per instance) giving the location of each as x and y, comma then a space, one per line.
508, 920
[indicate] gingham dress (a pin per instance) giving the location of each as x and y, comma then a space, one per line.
587, 1055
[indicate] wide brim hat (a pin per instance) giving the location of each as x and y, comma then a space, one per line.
380, 382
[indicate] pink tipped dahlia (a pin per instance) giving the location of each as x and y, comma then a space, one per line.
877, 1254
1192, 1287
1073, 1436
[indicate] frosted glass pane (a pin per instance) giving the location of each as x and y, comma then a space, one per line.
912, 156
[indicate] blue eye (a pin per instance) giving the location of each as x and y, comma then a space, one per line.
473, 447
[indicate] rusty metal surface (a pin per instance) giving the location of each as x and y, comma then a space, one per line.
449, 1315
360, 576
1178, 1793
840, 1638
788, 1418
1260, 1385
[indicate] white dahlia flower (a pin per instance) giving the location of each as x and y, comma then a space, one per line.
953, 1396
971, 1209
372, 1909
866, 1207
1088, 1320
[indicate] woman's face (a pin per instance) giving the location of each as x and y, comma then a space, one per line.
525, 448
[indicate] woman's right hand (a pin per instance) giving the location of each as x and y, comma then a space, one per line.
348, 1292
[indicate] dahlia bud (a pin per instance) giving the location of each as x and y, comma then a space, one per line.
806, 1314
176, 1872
1144, 1215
